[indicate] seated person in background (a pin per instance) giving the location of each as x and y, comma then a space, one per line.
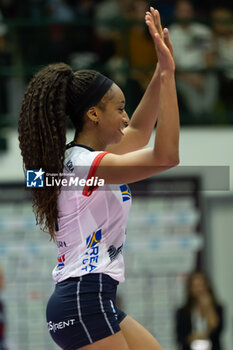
3, 31
81, 34
129, 62
193, 53
107, 14
141, 57
58, 33
222, 25
3, 62
201, 317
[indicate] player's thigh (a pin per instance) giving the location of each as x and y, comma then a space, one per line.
113, 342
137, 337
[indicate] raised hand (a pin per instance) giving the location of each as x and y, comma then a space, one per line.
160, 37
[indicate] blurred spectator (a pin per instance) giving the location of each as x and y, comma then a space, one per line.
60, 10
141, 47
82, 36
107, 11
132, 61
140, 52
83, 8
108, 29
222, 24
3, 62
3, 31
165, 7
194, 55
59, 41
110, 18
201, 317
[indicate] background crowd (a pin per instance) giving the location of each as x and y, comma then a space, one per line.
110, 35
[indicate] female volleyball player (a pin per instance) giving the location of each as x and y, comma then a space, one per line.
89, 225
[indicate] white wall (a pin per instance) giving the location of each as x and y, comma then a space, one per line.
201, 148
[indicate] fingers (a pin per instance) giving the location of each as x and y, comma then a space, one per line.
150, 23
160, 37
156, 16
167, 40
152, 19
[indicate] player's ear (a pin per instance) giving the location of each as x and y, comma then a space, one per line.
92, 114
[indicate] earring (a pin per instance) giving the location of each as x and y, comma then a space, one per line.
96, 122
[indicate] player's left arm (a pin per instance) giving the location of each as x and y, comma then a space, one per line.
137, 134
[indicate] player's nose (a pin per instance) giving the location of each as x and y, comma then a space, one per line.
126, 119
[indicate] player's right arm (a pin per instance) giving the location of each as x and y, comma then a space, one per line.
135, 166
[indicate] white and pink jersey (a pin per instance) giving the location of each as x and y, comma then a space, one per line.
92, 224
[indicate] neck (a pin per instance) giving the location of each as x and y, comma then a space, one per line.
91, 140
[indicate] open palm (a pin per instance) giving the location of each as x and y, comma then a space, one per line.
161, 40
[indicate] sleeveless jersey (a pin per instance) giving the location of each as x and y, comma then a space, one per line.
91, 223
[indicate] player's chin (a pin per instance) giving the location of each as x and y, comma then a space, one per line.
116, 137
119, 136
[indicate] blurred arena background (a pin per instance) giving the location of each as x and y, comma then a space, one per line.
181, 220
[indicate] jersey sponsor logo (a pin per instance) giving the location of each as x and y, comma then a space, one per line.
114, 252
126, 193
94, 238
69, 166
35, 178
60, 325
61, 261
90, 261
61, 244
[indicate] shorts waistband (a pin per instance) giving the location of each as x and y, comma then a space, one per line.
92, 277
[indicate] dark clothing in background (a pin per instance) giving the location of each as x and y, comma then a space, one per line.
1, 322
184, 328
2, 327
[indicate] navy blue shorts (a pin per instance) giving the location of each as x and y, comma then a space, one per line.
83, 310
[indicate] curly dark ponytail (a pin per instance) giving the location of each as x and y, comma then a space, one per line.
51, 95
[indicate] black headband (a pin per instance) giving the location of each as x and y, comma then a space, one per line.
96, 90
